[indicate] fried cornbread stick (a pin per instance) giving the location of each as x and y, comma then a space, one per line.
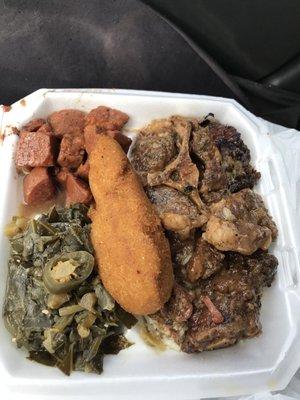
131, 249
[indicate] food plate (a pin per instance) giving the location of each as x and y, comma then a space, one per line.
264, 363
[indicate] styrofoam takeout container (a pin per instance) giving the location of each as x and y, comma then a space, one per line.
264, 363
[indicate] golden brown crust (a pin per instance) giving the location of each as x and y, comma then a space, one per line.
131, 249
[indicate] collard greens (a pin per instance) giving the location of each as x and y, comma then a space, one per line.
71, 328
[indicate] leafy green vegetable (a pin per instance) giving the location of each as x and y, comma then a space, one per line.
55, 305
61, 323
42, 357
126, 318
56, 300
66, 363
114, 343
106, 302
68, 310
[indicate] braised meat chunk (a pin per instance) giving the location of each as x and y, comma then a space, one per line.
226, 307
225, 159
194, 259
235, 157
177, 212
61, 176
221, 310
213, 182
77, 191
38, 186
170, 323
67, 122
34, 125
181, 248
152, 154
205, 261
154, 148
45, 128
240, 223
181, 173
35, 149
106, 118
71, 151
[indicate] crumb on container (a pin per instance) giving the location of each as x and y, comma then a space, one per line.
6, 108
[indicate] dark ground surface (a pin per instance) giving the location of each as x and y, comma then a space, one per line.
256, 42
126, 44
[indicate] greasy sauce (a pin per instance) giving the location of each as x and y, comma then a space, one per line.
150, 339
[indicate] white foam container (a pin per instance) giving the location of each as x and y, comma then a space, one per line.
264, 363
